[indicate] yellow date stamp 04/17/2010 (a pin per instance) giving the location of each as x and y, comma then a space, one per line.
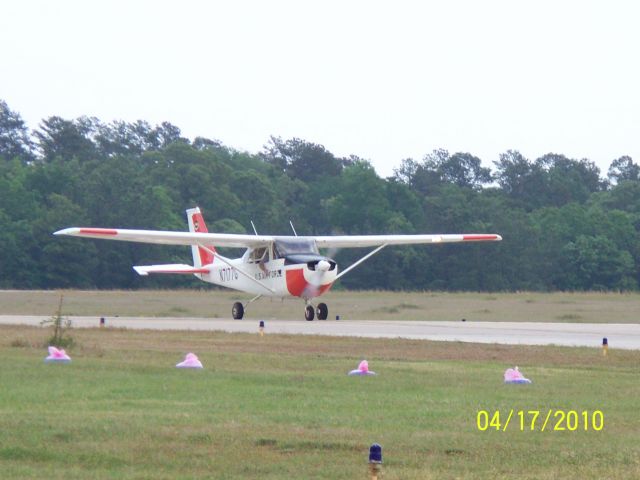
538, 420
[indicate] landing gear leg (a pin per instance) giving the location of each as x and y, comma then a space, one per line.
308, 312
322, 311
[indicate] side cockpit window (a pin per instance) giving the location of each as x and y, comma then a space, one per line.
258, 255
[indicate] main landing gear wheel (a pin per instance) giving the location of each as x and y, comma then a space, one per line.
308, 313
322, 311
237, 311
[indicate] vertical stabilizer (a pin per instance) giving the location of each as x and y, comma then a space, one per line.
196, 224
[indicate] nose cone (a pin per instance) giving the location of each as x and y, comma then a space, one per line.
323, 266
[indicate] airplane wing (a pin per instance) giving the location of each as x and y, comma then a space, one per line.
170, 238
255, 241
355, 241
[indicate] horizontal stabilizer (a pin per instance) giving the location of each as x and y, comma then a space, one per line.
171, 268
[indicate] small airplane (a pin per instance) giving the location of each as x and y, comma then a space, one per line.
274, 266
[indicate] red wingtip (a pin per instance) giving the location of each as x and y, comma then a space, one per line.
98, 231
481, 238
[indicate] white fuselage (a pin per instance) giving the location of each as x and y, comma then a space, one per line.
269, 278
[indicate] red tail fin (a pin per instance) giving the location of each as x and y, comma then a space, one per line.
201, 256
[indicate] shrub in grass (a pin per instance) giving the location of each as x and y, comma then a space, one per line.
61, 326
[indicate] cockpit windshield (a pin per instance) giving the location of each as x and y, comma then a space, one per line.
290, 246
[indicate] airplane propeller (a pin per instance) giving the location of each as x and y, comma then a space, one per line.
319, 268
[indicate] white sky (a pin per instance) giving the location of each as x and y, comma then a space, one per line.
382, 80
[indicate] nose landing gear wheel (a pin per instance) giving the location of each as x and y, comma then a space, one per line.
322, 311
308, 313
237, 311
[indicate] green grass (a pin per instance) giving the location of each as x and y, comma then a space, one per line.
282, 407
590, 307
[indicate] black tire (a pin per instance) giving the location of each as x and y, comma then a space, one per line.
322, 311
308, 313
237, 311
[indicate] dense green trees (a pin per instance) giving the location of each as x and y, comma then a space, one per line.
564, 226
14, 135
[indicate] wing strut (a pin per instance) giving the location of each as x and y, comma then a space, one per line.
239, 270
354, 265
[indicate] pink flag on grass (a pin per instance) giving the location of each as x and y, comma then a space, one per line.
57, 356
513, 375
363, 369
190, 361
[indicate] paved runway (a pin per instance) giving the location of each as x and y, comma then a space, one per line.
625, 336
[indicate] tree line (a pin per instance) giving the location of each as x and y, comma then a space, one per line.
566, 226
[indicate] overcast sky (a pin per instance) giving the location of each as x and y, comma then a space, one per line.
381, 80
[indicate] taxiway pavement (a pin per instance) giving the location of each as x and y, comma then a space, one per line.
619, 335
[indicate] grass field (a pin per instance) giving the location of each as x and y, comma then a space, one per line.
527, 306
282, 407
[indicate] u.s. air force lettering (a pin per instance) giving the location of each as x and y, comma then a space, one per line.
268, 274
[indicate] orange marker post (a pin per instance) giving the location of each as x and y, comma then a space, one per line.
261, 328
605, 347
